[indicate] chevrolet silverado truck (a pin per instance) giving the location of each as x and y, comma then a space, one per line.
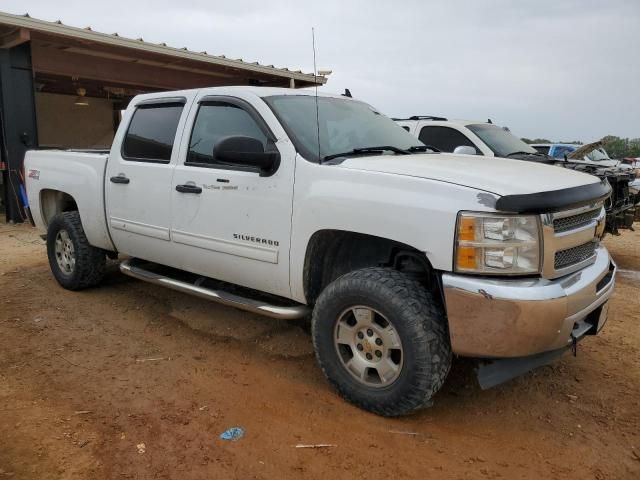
295, 205
489, 140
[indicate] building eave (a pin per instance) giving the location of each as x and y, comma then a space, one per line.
86, 34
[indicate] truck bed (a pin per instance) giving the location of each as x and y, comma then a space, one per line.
78, 173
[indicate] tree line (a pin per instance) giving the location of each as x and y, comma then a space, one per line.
616, 147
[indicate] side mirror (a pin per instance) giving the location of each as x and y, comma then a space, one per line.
247, 152
465, 150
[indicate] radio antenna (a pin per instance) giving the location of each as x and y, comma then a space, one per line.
315, 81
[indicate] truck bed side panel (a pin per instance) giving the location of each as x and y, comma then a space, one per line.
78, 174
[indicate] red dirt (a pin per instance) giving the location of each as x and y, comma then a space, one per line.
76, 398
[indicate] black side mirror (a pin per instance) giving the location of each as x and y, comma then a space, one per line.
248, 152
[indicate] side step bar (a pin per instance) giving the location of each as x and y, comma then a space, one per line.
129, 267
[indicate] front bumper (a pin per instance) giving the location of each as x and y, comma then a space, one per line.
493, 318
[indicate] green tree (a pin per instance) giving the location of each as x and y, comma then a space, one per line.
622, 147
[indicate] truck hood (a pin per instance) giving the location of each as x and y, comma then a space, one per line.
495, 175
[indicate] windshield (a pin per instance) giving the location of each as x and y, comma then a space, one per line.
559, 151
598, 155
500, 141
343, 124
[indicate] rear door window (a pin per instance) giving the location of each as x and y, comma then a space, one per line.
152, 133
445, 139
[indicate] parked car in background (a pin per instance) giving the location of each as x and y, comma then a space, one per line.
402, 256
555, 150
489, 140
592, 153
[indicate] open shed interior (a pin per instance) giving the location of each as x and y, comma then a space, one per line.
63, 122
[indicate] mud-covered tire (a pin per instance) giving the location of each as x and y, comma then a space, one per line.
89, 262
420, 323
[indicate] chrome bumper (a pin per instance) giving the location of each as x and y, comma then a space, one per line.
514, 318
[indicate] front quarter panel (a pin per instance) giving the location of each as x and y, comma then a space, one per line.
418, 212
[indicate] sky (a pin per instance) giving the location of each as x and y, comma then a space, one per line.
558, 69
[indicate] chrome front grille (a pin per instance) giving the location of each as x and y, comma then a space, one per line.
574, 255
574, 221
570, 239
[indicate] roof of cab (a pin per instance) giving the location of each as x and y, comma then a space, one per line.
444, 121
257, 91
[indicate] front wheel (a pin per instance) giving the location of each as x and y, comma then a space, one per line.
381, 339
74, 262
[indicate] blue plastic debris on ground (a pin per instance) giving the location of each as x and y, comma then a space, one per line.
233, 434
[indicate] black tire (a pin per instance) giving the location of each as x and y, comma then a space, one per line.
90, 261
420, 323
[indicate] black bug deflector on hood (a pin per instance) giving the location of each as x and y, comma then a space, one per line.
547, 202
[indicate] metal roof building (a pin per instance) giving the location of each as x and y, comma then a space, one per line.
63, 86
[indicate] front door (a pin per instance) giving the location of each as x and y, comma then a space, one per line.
228, 222
445, 139
138, 180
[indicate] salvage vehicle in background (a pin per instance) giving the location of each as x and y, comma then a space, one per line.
624, 178
592, 152
489, 140
287, 204
634, 190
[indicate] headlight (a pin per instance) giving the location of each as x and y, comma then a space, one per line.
497, 244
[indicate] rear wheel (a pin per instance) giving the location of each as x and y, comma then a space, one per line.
381, 340
74, 262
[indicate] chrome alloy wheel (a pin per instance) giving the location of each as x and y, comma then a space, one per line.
368, 346
65, 252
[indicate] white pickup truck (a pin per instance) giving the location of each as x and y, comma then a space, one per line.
286, 204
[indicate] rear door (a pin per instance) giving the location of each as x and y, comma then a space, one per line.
229, 222
138, 178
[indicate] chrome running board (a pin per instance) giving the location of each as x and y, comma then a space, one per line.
130, 268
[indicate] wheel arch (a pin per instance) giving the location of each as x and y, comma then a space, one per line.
332, 253
53, 202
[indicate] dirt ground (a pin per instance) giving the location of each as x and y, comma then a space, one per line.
86, 378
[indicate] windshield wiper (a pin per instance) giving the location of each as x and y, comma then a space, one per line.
358, 151
422, 148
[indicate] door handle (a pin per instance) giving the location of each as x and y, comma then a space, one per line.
188, 188
120, 179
